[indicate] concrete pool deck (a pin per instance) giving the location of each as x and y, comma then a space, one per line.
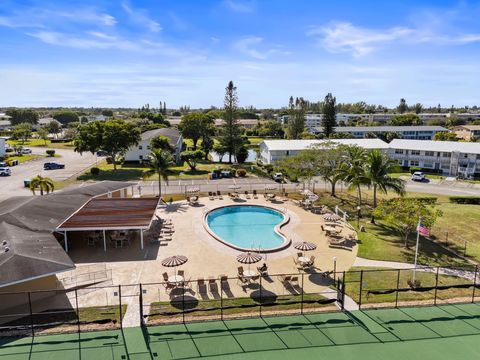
208, 258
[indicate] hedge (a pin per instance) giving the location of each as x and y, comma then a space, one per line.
474, 200
430, 200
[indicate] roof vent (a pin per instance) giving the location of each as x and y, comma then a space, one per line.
7, 249
4, 242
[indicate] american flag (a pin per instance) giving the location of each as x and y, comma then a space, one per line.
422, 229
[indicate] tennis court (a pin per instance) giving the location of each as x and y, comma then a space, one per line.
438, 332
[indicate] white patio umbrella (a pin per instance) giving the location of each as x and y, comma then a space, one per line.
332, 217
305, 246
248, 258
174, 261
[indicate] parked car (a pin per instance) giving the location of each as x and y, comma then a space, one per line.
26, 151
5, 171
418, 176
53, 166
8, 149
101, 153
277, 177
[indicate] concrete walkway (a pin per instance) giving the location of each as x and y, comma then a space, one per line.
466, 274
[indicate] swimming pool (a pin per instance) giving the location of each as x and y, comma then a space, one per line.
245, 227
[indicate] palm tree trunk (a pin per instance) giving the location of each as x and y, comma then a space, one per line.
333, 187
41, 191
159, 186
374, 196
359, 196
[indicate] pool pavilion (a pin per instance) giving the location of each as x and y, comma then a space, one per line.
109, 221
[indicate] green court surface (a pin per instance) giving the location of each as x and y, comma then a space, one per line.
438, 332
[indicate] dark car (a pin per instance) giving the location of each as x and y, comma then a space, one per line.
53, 166
101, 153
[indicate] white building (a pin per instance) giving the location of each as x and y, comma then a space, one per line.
273, 150
406, 132
448, 157
140, 152
2, 147
91, 118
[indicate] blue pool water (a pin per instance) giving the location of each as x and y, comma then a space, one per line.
247, 226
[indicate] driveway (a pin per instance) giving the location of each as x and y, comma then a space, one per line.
74, 164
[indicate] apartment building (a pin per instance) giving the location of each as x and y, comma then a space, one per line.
448, 157
467, 132
273, 150
405, 132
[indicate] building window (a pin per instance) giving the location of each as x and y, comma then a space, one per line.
287, 152
140, 147
446, 155
398, 151
415, 152
140, 157
428, 164
429, 153
414, 163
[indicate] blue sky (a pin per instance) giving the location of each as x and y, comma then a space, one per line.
132, 52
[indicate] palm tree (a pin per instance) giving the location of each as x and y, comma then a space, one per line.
159, 162
378, 168
45, 184
352, 169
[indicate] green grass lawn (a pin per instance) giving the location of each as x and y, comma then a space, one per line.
233, 306
24, 158
136, 171
462, 222
41, 143
384, 280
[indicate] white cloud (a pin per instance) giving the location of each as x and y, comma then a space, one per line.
238, 6
246, 47
140, 17
345, 37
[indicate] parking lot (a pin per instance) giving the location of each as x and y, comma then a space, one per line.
74, 164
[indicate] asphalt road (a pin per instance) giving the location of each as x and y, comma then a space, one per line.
74, 164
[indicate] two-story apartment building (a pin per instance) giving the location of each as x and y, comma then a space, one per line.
140, 152
273, 150
448, 157
405, 132
467, 132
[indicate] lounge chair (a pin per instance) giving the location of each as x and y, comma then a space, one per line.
255, 195
211, 196
212, 285
312, 261
285, 279
181, 273
219, 195
294, 280
165, 276
247, 195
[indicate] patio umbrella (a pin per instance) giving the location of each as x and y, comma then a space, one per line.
248, 258
305, 246
332, 217
174, 261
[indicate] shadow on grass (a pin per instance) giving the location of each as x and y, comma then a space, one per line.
121, 174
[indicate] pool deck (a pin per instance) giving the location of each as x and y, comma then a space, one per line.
209, 258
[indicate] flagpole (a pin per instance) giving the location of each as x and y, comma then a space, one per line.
416, 250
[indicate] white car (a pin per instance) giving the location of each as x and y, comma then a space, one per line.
277, 177
5, 171
26, 151
418, 176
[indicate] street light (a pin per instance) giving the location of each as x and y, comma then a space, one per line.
358, 216
334, 267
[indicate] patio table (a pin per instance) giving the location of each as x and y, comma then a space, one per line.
175, 279
303, 259
249, 273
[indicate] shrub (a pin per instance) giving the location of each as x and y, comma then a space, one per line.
414, 169
233, 172
50, 152
473, 200
430, 200
241, 172
268, 168
94, 171
109, 160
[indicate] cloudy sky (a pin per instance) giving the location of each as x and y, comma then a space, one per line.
132, 52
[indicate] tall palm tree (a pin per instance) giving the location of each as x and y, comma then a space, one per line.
45, 184
352, 169
159, 162
378, 169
